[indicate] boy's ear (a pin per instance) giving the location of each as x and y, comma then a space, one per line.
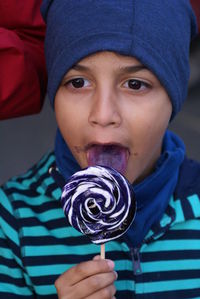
45, 8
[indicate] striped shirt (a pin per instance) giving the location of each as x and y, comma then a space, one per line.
37, 244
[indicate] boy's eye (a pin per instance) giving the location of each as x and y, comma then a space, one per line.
136, 84
78, 83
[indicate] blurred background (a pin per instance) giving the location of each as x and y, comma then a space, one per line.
25, 140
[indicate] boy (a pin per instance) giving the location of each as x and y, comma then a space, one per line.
118, 73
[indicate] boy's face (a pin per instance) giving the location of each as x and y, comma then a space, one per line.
113, 111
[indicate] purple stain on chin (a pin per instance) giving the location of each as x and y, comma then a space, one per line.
108, 155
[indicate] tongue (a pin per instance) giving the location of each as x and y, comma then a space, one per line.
108, 155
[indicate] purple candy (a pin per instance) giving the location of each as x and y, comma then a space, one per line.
99, 202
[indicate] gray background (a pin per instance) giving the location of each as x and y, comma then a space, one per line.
24, 140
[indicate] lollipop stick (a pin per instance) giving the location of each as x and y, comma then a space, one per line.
103, 251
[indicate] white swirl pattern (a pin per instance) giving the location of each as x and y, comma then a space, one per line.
99, 202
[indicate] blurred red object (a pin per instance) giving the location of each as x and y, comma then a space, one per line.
23, 76
196, 7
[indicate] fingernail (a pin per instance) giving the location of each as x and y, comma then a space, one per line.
116, 274
96, 258
110, 264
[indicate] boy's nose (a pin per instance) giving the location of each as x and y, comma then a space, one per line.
105, 111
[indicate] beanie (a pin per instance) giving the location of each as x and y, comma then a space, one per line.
157, 33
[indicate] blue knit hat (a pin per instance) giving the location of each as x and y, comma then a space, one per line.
156, 32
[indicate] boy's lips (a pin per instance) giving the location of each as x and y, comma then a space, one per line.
111, 155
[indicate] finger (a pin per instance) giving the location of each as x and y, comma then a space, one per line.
95, 283
106, 293
84, 270
88, 286
96, 258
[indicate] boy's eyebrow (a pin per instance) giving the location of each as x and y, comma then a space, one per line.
132, 68
79, 67
123, 69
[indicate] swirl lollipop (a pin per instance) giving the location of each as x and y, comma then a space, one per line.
99, 202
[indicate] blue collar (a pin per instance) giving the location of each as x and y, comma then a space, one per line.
153, 193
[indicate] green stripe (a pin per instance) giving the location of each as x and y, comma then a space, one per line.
32, 180
8, 254
35, 271
163, 286
32, 201
39, 231
15, 290
12, 234
45, 183
179, 211
173, 245
125, 285
45, 168
165, 220
170, 265
15, 184
195, 203
45, 216
62, 249
122, 265
36, 231
13, 272
193, 224
57, 193
2, 236
5, 202
48, 181
45, 290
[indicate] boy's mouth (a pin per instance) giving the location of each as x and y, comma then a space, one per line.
111, 155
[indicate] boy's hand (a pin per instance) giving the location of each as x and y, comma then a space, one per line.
92, 280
